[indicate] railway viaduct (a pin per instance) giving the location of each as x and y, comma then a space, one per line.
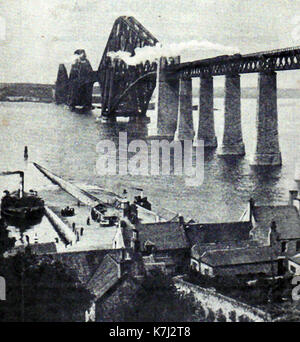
127, 90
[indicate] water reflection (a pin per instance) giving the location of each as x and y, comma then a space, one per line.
265, 180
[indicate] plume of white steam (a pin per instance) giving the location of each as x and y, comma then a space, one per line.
153, 53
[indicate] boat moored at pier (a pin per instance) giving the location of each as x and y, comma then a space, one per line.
21, 205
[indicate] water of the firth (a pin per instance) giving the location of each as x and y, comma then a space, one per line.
65, 143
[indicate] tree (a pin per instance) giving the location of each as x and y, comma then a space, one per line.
41, 291
157, 300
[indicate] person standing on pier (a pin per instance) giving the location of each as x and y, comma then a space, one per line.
26, 153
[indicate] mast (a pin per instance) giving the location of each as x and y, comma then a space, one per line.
22, 184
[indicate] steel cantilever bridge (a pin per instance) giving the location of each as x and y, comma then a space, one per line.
126, 90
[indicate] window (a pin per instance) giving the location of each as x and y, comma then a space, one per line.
283, 247
293, 269
298, 245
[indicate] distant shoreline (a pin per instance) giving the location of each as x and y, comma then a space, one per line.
45, 93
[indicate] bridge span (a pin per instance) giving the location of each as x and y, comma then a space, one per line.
265, 63
273, 60
127, 89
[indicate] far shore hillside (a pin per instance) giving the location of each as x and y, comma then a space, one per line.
34, 92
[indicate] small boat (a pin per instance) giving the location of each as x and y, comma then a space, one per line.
20, 204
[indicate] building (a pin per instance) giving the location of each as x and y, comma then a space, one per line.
206, 233
166, 242
287, 221
112, 280
104, 273
239, 261
200, 248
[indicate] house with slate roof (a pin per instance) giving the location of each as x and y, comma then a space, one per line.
105, 273
218, 232
116, 277
239, 261
166, 242
172, 246
200, 248
287, 221
227, 248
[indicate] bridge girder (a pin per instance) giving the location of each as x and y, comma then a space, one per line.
115, 76
276, 60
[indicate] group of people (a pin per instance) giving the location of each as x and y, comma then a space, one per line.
67, 211
77, 232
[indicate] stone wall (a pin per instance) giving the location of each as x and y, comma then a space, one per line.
216, 305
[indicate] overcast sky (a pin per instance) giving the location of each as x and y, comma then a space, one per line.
40, 34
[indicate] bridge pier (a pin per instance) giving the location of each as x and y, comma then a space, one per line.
206, 125
267, 144
62, 85
232, 139
185, 127
167, 100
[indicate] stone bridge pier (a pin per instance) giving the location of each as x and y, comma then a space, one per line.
185, 127
267, 144
232, 138
167, 101
175, 114
206, 125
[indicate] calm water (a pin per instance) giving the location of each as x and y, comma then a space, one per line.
65, 143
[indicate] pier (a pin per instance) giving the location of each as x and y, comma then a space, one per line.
79, 232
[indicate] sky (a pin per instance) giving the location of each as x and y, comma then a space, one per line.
37, 35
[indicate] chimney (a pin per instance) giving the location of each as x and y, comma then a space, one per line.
121, 263
125, 206
124, 264
292, 196
122, 254
181, 220
273, 234
135, 243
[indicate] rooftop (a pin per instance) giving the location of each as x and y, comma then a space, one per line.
239, 256
36, 248
217, 232
104, 277
164, 235
200, 248
43, 248
286, 217
84, 263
